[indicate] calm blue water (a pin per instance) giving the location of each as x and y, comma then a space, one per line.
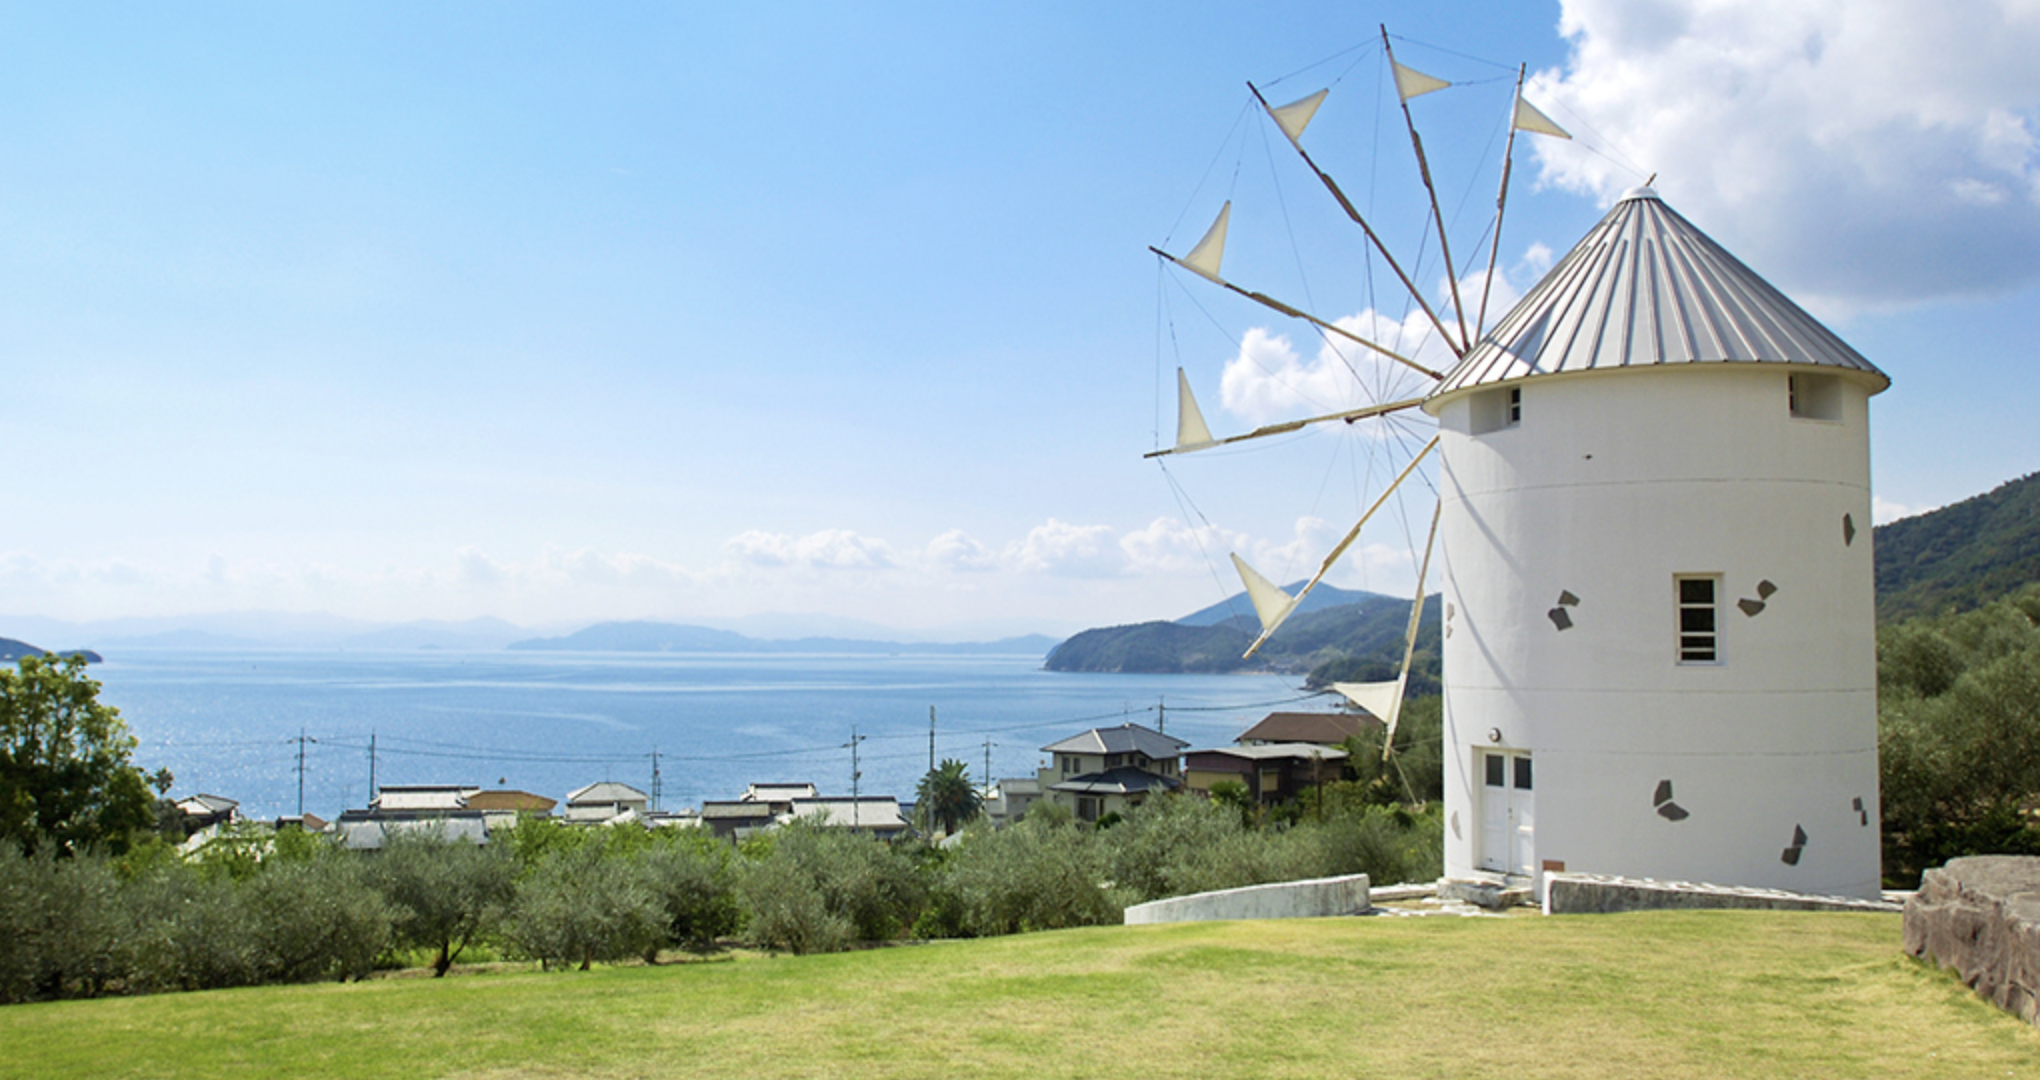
227, 723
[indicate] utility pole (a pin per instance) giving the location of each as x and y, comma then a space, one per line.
655, 778
987, 785
931, 738
856, 807
1162, 714
371, 767
301, 741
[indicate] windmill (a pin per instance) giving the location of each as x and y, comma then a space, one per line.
1652, 481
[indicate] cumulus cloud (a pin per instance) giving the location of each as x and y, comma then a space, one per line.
1168, 546
830, 549
957, 550
1268, 379
1862, 153
1061, 548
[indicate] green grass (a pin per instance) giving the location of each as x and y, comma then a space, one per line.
1674, 994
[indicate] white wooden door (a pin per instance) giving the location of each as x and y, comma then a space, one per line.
1508, 813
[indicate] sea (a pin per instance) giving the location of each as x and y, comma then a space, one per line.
289, 730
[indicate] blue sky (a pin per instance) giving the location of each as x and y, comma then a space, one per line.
565, 312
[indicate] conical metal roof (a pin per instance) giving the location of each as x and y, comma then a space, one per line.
1645, 287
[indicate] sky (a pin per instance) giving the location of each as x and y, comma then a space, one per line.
561, 313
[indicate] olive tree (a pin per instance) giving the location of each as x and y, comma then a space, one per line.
446, 892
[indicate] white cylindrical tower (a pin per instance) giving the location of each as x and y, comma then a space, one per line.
1659, 604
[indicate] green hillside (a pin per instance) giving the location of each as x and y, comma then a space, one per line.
1961, 555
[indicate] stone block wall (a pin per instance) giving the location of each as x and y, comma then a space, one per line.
1600, 894
1981, 916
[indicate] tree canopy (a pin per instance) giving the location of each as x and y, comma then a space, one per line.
945, 797
66, 779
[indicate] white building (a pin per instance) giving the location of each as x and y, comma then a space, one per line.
1659, 612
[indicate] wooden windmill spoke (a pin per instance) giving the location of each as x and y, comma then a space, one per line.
1269, 626
1294, 313
1349, 415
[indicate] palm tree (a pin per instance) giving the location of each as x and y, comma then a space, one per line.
945, 796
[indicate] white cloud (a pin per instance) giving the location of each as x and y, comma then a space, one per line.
837, 549
1883, 510
1269, 380
1061, 548
1862, 153
1168, 546
957, 550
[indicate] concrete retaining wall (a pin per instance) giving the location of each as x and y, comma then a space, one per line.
1981, 916
1283, 900
1599, 894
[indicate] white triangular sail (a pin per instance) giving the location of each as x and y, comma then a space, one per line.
1270, 602
1383, 699
1205, 257
1295, 116
1530, 118
1409, 82
1191, 432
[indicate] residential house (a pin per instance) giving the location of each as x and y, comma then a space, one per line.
879, 815
1272, 772
737, 819
1010, 799
421, 799
779, 796
502, 808
604, 802
438, 808
1321, 728
1110, 770
201, 812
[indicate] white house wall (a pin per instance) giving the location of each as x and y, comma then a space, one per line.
1612, 483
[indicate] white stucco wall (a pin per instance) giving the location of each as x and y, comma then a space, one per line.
1612, 483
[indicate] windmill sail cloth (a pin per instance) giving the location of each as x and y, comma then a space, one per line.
1295, 116
1191, 432
1383, 699
1529, 118
1270, 602
1203, 259
1409, 82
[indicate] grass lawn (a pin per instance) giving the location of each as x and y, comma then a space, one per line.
1671, 994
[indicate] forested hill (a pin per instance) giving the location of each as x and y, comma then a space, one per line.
1359, 640
1961, 555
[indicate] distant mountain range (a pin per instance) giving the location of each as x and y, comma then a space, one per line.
291, 630
679, 638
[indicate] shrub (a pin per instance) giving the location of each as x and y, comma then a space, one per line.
314, 918
185, 931
853, 880
1044, 873
692, 880
59, 926
585, 902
